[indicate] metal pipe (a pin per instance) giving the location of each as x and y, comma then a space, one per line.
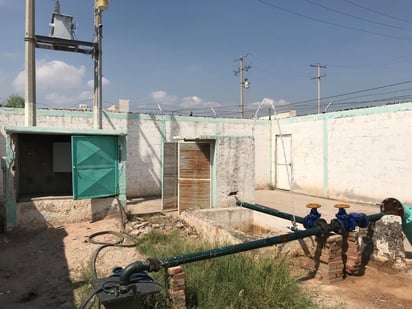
232, 249
153, 264
270, 211
376, 217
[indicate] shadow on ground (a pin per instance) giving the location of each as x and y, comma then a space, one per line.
34, 271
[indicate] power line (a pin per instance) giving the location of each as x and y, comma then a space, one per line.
332, 23
358, 17
275, 66
378, 12
397, 60
373, 94
357, 91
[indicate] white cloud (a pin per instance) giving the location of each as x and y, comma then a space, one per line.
270, 102
54, 74
191, 102
162, 97
105, 82
196, 102
59, 83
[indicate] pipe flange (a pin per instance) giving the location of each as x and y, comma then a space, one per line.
393, 206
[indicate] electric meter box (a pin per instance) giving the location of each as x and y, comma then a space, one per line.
62, 26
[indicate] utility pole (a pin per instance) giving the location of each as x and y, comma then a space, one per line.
97, 97
318, 77
244, 83
30, 67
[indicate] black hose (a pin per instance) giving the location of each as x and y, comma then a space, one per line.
118, 243
89, 298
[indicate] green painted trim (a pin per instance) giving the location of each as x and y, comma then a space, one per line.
126, 116
48, 130
11, 110
110, 115
163, 140
122, 170
272, 162
325, 158
215, 137
401, 107
11, 212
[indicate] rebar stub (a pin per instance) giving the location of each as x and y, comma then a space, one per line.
313, 205
341, 206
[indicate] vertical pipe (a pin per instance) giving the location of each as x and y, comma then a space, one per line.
97, 98
30, 66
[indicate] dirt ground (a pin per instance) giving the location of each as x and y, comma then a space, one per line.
45, 270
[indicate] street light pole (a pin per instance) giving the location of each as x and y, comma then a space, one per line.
100, 5
30, 67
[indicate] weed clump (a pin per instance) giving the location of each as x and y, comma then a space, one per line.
234, 281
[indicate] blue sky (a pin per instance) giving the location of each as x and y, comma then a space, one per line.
181, 54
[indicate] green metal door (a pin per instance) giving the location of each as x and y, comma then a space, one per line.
95, 166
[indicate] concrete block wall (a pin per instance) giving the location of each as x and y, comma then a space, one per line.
146, 134
144, 153
360, 155
235, 170
306, 154
370, 156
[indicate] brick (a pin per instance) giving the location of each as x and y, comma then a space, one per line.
174, 270
335, 238
177, 294
178, 299
335, 275
173, 284
354, 256
334, 280
334, 265
336, 259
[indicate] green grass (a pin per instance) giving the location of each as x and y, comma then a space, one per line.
234, 281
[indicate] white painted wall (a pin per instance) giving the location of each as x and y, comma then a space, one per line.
359, 155
146, 134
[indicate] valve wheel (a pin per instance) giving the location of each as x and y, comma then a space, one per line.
341, 206
313, 205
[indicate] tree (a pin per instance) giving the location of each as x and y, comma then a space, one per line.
14, 101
